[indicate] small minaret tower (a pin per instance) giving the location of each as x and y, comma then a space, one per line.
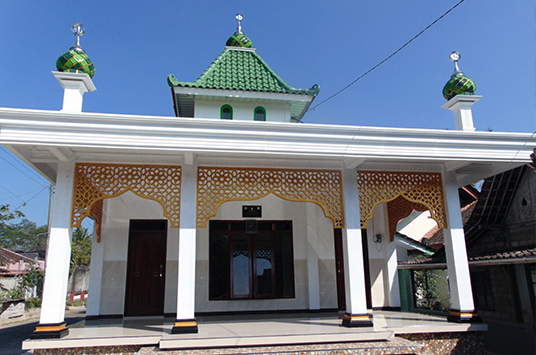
460, 93
74, 74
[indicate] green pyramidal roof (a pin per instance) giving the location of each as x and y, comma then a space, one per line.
241, 69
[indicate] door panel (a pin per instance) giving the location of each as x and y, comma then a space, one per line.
146, 268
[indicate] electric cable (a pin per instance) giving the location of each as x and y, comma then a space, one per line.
390, 56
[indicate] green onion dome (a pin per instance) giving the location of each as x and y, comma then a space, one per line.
458, 84
238, 39
75, 60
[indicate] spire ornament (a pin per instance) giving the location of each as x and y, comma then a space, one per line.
239, 18
75, 60
239, 39
458, 84
78, 30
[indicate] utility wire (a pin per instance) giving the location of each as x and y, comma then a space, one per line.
389, 57
25, 166
18, 196
7, 161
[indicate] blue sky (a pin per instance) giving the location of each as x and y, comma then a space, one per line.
135, 45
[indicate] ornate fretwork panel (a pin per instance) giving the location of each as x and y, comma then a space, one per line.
96, 214
95, 182
423, 188
398, 209
216, 186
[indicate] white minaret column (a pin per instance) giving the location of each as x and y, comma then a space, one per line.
75, 85
51, 323
185, 322
459, 91
462, 308
463, 115
354, 270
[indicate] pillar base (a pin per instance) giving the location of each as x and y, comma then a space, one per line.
182, 326
50, 331
357, 320
463, 317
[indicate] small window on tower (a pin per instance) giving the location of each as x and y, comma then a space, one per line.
260, 114
226, 112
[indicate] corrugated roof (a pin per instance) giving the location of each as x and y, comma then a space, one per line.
8, 256
504, 257
244, 70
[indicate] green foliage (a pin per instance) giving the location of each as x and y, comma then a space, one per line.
34, 277
80, 249
427, 292
77, 303
23, 236
7, 215
33, 303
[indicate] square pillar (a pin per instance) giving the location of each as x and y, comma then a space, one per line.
461, 105
185, 321
75, 85
52, 320
462, 308
354, 271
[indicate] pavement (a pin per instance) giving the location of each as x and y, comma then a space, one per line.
13, 334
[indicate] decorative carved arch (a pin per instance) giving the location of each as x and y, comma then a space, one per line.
96, 182
398, 209
216, 186
420, 188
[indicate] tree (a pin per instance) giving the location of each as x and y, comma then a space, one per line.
7, 215
23, 236
80, 249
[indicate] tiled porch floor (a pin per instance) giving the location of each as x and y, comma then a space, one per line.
251, 330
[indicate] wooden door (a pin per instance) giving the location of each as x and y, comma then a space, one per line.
146, 268
339, 268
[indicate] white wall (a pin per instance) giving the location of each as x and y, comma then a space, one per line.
119, 211
315, 282
242, 110
383, 261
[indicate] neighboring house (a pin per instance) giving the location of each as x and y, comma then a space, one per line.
13, 265
235, 207
501, 245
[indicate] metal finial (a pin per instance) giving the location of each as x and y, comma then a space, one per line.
455, 57
239, 18
78, 30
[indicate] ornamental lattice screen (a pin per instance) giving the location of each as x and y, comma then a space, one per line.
216, 186
96, 182
424, 190
398, 209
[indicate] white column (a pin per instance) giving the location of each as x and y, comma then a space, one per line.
75, 85
185, 322
461, 294
59, 248
95, 274
392, 274
312, 258
354, 271
460, 105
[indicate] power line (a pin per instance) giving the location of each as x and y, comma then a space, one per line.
18, 196
4, 159
9, 154
389, 57
34, 196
